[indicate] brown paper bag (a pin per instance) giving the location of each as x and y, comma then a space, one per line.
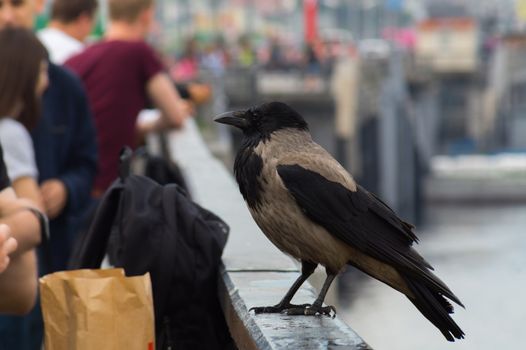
97, 309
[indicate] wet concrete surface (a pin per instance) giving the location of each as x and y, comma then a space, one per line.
480, 252
248, 289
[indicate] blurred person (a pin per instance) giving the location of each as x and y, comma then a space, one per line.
246, 55
71, 23
64, 141
311, 59
276, 57
121, 74
184, 70
213, 59
23, 79
65, 154
186, 67
213, 62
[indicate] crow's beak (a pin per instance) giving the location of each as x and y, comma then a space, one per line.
236, 118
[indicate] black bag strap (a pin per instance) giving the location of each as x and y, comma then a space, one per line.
167, 259
44, 249
164, 162
44, 241
91, 248
125, 159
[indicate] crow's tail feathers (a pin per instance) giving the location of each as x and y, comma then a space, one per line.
430, 301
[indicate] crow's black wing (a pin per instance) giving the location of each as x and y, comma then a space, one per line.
355, 217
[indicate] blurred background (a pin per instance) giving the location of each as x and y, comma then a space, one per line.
424, 101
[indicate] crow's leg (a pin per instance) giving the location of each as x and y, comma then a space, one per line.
307, 268
317, 307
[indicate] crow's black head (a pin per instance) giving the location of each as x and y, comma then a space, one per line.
257, 124
264, 119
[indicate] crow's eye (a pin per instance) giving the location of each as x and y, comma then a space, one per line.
254, 114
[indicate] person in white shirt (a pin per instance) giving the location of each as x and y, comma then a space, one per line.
71, 22
23, 80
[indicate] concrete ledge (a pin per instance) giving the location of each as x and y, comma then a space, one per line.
268, 331
255, 273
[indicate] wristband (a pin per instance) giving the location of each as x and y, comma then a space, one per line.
44, 223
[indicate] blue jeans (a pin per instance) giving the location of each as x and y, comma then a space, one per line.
22, 332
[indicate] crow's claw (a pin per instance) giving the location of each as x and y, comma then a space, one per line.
276, 309
312, 310
265, 310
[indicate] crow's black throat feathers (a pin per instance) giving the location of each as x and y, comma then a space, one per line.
247, 169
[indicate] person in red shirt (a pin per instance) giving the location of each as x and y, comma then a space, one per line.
122, 73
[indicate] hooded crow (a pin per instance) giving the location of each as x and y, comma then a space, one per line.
310, 207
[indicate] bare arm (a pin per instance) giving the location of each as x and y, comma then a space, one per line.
166, 98
27, 187
18, 285
25, 227
18, 282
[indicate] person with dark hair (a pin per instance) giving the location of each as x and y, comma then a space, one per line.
64, 142
66, 156
23, 79
71, 22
